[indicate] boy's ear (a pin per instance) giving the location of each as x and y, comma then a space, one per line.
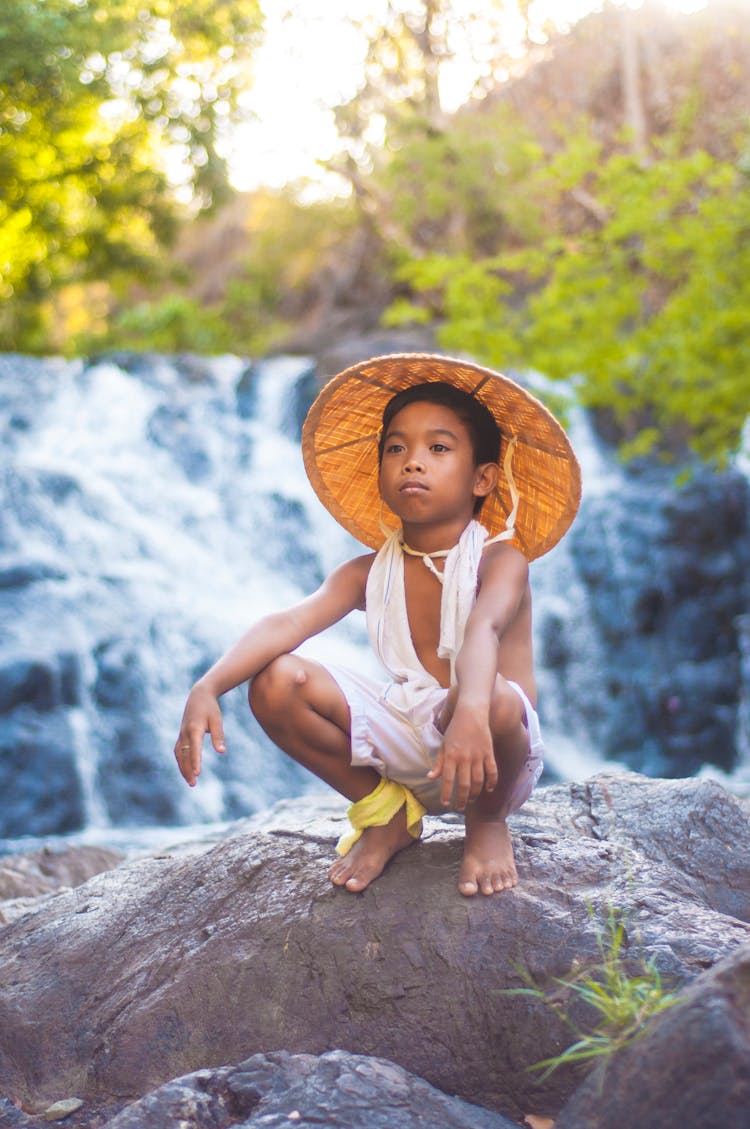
485, 479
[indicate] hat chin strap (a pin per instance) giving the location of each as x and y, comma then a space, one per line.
515, 497
506, 535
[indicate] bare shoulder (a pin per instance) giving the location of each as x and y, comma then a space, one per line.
503, 564
350, 579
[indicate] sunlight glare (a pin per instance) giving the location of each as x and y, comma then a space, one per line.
312, 59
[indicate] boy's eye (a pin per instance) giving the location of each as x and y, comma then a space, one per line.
439, 447
393, 448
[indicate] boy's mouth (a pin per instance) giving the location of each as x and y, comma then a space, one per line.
412, 487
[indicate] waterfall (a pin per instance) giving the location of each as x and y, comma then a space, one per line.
569, 654
147, 523
155, 507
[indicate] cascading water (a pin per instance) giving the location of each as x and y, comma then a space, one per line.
147, 522
155, 508
569, 655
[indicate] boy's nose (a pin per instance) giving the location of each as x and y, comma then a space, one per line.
413, 462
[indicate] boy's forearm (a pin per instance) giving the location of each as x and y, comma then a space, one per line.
264, 641
476, 667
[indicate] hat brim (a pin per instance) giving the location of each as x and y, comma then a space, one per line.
340, 449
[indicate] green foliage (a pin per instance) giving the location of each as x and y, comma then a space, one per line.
95, 99
471, 173
639, 286
428, 180
622, 1001
288, 257
173, 324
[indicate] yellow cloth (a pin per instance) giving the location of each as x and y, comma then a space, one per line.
379, 808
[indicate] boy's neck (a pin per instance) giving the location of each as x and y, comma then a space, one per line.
434, 538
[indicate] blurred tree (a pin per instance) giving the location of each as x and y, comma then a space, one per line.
423, 177
97, 103
251, 273
643, 296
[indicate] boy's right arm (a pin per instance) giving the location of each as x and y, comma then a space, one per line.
273, 635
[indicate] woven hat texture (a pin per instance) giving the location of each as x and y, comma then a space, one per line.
340, 449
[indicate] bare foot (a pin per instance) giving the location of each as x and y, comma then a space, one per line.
369, 855
488, 865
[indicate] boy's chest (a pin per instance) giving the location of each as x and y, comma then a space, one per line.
423, 593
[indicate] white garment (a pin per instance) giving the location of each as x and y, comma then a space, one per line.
394, 727
388, 622
389, 740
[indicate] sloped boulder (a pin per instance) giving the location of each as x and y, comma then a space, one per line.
45, 869
212, 952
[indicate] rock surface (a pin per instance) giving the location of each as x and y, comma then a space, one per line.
211, 952
691, 1070
666, 575
24, 877
281, 1089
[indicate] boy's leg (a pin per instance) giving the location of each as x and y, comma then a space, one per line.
303, 710
488, 865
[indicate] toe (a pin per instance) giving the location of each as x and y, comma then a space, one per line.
339, 872
486, 884
468, 888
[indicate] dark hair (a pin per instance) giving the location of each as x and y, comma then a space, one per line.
480, 422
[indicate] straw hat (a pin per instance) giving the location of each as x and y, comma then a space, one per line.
340, 449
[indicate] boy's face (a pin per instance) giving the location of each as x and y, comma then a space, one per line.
428, 474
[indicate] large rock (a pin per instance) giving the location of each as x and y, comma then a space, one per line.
666, 571
39, 779
27, 875
279, 1089
691, 1070
209, 953
336, 1089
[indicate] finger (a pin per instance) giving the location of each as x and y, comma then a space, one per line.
184, 756
463, 785
490, 771
216, 730
449, 775
477, 780
195, 756
437, 769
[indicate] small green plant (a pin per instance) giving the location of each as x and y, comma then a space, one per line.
625, 1001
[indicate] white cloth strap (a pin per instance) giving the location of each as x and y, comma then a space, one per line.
387, 619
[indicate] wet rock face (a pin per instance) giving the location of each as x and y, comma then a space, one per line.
280, 1089
666, 570
42, 792
216, 951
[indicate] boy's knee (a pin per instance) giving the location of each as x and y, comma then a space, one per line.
506, 712
272, 687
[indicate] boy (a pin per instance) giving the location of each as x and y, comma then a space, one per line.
405, 451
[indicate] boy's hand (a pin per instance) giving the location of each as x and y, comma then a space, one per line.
202, 715
466, 759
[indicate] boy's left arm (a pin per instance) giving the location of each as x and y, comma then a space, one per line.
466, 760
